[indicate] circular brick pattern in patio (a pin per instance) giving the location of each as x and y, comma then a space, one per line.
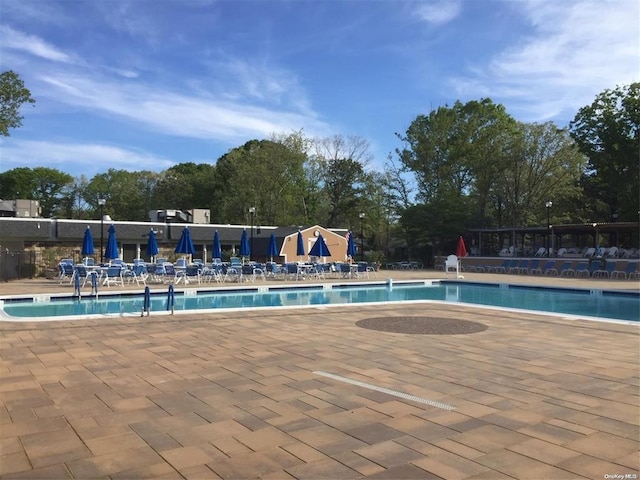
422, 325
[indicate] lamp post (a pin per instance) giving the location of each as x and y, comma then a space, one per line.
101, 202
548, 205
361, 236
252, 212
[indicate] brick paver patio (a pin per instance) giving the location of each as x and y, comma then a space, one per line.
244, 395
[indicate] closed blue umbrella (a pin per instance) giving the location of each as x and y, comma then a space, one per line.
351, 245
87, 243
185, 245
152, 244
273, 247
111, 252
300, 245
245, 249
320, 248
217, 249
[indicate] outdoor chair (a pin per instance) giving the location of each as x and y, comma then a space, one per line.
533, 268
452, 264
517, 266
612, 252
549, 265
344, 269
65, 271
232, 274
542, 252
630, 271
581, 270
191, 273
272, 270
248, 273
81, 272
362, 269
499, 268
138, 273
113, 276
565, 270
211, 273
605, 272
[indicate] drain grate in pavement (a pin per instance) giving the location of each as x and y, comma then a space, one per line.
422, 325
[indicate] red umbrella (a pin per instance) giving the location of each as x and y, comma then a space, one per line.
461, 251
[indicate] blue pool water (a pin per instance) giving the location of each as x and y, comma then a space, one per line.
595, 303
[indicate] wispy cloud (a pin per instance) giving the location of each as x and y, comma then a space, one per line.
207, 116
576, 50
438, 12
89, 158
12, 39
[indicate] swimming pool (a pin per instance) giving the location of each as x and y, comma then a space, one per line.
593, 304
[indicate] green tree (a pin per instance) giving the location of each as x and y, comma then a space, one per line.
608, 133
127, 194
13, 94
263, 174
457, 151
343, 180
185, 186
338, 165
73, 203
544, 164
47, 185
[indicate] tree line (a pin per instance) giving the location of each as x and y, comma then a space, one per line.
469, 165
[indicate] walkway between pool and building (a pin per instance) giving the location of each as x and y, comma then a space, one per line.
321, 393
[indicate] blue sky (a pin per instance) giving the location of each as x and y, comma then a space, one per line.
143, 85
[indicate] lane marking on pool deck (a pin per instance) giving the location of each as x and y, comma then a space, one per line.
395, 393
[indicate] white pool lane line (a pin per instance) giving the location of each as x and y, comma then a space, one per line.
395, 393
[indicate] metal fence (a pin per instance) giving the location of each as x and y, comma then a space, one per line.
15, 265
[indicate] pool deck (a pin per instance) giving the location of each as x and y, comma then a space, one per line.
244, 395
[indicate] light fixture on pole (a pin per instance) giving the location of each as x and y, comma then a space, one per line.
361, 236
252, 212
101, 202
548, 205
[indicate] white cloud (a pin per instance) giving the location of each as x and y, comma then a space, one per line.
88, 158
576, 50
14, 40
438, 12
203, 116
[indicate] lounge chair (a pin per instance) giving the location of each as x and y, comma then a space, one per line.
606, 271
561, 252
612, 252
542, 252
630, 271
581, 270
533, 268
499, 268
565, 270
517, 266
549, 265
